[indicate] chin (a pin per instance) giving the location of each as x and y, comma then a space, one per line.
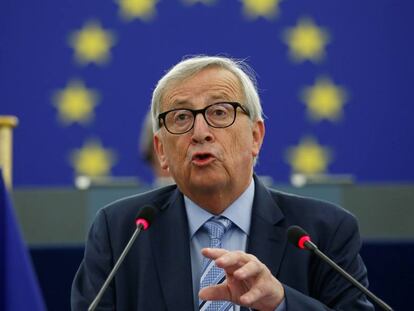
208, 182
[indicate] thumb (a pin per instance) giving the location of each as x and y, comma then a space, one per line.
215, 292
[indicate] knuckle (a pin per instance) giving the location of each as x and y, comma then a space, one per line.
239, 253
252, 257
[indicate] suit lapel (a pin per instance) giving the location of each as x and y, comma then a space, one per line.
171, 248
267, 238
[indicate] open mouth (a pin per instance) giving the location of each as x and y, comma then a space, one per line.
202, 158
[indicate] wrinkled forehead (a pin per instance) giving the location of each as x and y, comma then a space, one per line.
210, 83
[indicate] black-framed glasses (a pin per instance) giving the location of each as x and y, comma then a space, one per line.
218, 115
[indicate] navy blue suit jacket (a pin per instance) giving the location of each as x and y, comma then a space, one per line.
156, 274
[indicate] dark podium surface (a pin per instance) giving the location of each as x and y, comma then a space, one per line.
390, 270
383, 210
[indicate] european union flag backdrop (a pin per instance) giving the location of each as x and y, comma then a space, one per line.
335, 77
19, 289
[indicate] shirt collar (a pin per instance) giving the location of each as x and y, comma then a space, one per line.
197, 216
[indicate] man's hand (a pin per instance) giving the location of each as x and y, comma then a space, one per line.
248, 282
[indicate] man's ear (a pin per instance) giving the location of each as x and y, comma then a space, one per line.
258, 136
159, 151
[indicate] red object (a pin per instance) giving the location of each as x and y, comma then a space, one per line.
141, 221
303, 240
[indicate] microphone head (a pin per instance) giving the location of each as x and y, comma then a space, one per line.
145, 216
298, 236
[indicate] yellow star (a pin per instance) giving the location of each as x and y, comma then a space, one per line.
75, 103
324, 100
309, 157
142, 9
92, 160
306, 41
265, 8
92, 43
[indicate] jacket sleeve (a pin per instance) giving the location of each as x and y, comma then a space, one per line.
330, 291
94, 269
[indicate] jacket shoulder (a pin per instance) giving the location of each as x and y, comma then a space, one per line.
130, 206
289, 202
314, 215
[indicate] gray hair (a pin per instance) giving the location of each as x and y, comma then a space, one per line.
190, 66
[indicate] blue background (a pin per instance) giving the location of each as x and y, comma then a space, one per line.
370, 54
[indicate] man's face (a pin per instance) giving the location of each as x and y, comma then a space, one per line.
205, 159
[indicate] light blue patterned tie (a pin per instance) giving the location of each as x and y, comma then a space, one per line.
216, 227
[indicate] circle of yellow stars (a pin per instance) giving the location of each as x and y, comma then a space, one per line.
92, 43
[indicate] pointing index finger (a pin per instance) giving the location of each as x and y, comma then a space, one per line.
213, 253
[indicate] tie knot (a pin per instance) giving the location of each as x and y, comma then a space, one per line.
217, 226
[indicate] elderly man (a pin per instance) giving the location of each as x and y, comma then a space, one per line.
219, 240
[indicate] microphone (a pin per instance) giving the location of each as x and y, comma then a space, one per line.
301, 239
143, 221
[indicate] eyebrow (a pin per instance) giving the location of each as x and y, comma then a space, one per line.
221, 97
179, 103
214, 98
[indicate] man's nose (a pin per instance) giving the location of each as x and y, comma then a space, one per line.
201, 130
